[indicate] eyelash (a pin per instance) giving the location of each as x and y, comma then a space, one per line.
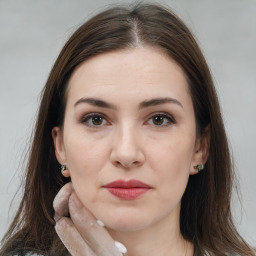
166, 118
86, 119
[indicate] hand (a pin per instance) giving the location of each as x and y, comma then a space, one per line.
80, 233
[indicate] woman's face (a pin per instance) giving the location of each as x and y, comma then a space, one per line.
129, 137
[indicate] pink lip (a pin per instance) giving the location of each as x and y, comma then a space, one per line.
127, 190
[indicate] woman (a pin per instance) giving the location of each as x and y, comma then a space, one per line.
131, 115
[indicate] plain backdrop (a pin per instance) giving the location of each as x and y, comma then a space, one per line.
32, 34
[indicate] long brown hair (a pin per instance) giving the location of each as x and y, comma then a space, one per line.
205, 217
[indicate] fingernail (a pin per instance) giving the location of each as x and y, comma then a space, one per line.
120, 247
100, 223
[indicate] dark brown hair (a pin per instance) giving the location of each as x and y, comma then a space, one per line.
205, 217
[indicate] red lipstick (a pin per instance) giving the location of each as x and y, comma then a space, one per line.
127, 190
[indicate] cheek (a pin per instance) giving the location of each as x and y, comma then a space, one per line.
171, 161
84, 150
85, 159
174, 152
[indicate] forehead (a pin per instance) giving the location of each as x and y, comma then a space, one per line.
144, 71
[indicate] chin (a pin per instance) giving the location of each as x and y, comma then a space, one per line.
127, 226
125, 221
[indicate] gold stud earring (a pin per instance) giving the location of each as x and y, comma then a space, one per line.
199, 167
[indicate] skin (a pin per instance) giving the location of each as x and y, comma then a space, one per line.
131, 138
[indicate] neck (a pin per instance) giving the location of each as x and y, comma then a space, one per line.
157, 240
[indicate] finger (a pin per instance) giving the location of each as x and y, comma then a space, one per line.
60, 203
95, 235
71, 238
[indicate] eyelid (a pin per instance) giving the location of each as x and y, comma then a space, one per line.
164, 114
84, 118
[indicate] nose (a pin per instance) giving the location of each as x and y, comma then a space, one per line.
127, 151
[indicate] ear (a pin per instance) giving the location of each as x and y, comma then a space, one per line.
60, 153
201, 150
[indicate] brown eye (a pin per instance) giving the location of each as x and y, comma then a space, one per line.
94, 120
161, 120
97, 120
158, 120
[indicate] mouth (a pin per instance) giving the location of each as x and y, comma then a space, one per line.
127, 190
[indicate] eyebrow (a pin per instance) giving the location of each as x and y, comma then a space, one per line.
159, 101
147, 103
95, 102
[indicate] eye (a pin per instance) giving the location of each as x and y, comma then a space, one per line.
95, 120
161, 119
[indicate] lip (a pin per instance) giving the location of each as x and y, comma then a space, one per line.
127, 190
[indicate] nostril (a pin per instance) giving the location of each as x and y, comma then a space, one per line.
117, 163
127, 165
135, 163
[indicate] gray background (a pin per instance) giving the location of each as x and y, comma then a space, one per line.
32, 34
